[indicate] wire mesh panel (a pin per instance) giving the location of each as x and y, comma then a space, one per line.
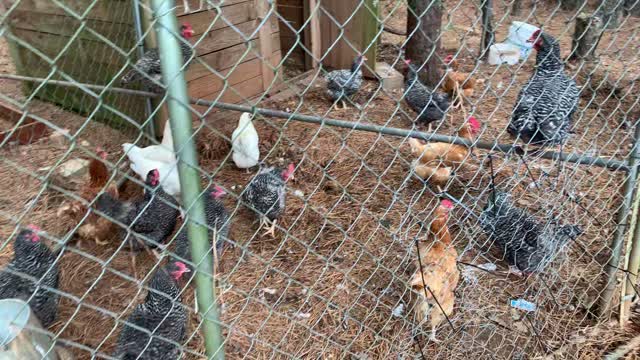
456, 189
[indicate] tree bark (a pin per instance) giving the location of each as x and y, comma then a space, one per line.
516, 7
611, 12
487, 27
632, 7
586, 37
423, 44
571, 5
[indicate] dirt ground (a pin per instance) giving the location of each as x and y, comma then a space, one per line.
332, 283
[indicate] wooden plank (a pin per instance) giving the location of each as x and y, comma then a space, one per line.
316, 44
213, 82
226, 37
195, 6
294, 15
298, 3
224, 59
338, 53
234, 14
106, 10
266, 49
119, 34
89, 60
308, 61
238, 93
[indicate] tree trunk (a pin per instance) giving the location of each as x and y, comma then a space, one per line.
423, 45
571, 5
632, 7
487, 27
586, 37
516, 7
611, 12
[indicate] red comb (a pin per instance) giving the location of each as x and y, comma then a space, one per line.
33, 227
446, 204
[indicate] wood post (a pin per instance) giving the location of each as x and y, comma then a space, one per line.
487, 28
151, 42
316, 42
423, 44
266, 48
586, 37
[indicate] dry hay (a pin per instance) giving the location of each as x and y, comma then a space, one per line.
329, 283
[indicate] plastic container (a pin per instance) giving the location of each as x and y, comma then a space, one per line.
519, 33
21, 335
501, 53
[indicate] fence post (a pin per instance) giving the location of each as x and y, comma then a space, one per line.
180, 115
623, 214
632, 263
138, 23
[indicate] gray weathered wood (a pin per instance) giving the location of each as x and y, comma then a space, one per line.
586, 36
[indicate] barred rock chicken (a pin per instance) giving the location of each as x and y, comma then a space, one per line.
437, 161
217, 218
457, 84
95, 227
430, 105
32, 258
161, 314
524, 242
437, 269
345, 83
153, 216
266, 195
149, 63
545, 106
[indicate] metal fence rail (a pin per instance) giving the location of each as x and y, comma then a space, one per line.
354, 263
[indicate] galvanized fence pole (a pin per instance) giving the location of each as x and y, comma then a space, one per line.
623, 214
181, 126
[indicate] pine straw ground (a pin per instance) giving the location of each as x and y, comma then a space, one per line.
327, 286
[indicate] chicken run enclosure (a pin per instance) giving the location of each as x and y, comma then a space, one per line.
427, 201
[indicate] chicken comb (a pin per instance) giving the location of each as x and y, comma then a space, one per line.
407, 61
447, 204
448, 59
475, 124
33, 227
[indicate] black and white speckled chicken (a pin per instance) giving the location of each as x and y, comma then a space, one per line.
153, 216
266, 194
547, 102
161, 314
32, 258
431, 105
217, 218
524, 242
345, 83
149, 63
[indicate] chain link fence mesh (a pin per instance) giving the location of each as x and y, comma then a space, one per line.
336, 280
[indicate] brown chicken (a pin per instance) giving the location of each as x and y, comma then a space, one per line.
436, 161
95, 227
457, 84
437, 275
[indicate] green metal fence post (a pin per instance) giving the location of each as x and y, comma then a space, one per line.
180, 115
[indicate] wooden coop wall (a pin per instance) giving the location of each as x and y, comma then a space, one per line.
48, 28
87, 59
361, 30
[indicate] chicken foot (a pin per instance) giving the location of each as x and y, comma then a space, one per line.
270, 230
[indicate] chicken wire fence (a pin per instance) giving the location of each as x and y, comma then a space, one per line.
341, 276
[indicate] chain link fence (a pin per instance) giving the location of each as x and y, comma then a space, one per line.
341, 277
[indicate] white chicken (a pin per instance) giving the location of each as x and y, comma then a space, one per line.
162, 152
159, 157
244, 143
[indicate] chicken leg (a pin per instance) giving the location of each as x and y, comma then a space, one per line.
433, 333
271, 230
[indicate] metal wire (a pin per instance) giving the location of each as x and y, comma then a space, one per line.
334, 282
